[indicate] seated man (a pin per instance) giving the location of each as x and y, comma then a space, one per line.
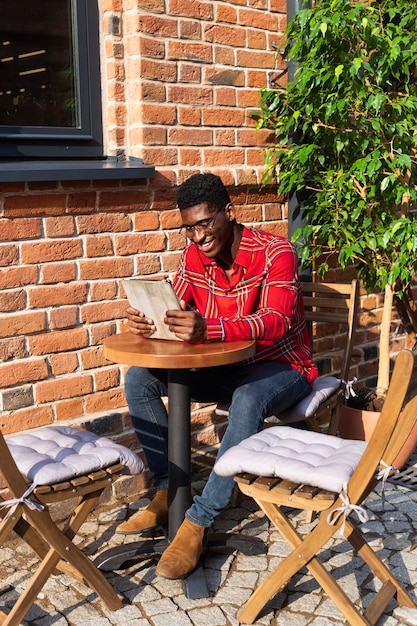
233, 284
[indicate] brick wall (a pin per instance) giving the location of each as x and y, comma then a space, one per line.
180, 80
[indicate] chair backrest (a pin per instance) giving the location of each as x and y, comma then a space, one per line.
334, 303
394, 426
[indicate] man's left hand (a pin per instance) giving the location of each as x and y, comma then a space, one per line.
187, 324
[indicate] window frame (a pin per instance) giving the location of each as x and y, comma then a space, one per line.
31, 142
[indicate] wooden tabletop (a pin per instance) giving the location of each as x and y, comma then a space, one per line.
130, 349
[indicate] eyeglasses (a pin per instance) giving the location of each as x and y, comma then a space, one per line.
204, 226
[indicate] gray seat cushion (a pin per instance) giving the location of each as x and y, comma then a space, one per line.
301, 456
57, 453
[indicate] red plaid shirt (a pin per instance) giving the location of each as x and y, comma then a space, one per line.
261, 300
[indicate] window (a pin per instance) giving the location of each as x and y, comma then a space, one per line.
50, 101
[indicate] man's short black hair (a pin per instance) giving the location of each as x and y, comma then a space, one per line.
201, 188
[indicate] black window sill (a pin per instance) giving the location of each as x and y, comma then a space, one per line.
26, 170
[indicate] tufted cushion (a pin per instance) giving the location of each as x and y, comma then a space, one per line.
57, 453
298, 455
322, 389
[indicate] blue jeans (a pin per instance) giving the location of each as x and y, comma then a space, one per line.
255, 391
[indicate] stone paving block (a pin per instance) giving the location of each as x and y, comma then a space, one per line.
231, 577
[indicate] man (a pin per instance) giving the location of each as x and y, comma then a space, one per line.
233, 284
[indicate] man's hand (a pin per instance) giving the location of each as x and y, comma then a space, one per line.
187, 324
139, 324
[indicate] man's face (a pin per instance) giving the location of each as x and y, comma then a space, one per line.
211, 230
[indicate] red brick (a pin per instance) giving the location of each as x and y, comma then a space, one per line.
149, 92
27, 418
192, 136
9, 255
15, 206
17, 277
190, 95
12, 300
162, 26
63, 363
124, 200
170, 219
225, 13
231, 156
160, 157
25, 371
258, 19
224, 56
105, 268
55, 250
255, 59
62, 226
158, 114
58, 273
189, 73
108, 378
22, 324
153, 136
103, 222
103, 290
146, 220
58, 295
98, 246
111, 399
225, 35
191, 8
189, 29
156, 70
69, 409
17, 229
103, 311
100, 331
148, 264
228, 117
63, 387
92, 358
189, 116
63, 317
12, 348
170, 262
58, 341
190, 156
190, 51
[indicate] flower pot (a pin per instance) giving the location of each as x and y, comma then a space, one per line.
358, 424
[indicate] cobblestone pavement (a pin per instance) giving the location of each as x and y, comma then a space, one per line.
231, 577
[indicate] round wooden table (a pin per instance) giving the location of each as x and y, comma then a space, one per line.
177, 357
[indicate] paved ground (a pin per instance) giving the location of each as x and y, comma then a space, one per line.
231, 577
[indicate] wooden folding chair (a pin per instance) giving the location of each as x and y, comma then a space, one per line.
316, 471
50, 465
333, 309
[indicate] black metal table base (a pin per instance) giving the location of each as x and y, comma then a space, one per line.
194, 585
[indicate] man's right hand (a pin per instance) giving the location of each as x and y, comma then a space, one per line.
139, 324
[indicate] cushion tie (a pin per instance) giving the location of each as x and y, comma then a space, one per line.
383, 476
349, 390
346, 509
14, 502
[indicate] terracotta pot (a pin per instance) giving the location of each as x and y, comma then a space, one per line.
357, 424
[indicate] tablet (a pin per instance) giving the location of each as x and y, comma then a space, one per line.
154, 298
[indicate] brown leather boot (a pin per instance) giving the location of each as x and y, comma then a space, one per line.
182, 556
155, 514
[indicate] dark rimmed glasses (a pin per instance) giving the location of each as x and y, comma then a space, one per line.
204, 226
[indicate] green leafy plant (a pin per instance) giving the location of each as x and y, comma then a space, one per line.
346, 135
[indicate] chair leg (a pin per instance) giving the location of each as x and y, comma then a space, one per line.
64, 551
381, 571
305, 556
